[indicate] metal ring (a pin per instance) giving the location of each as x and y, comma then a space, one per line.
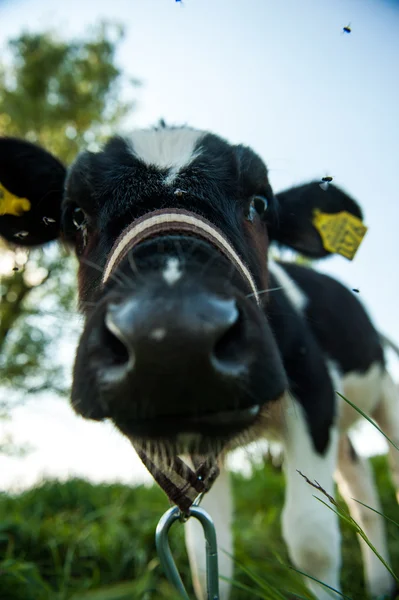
165, 554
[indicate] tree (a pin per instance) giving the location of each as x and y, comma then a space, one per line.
62, 94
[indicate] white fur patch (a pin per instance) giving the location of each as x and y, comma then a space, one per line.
158, 334
167, 148
172, 271
292, 290
335, 375
362, 389
310, 530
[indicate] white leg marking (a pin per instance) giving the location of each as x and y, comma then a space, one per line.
172, 271
310, 529
167, 148
218, 502
364, 390
356, 482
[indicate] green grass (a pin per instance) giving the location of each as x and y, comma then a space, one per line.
77, 541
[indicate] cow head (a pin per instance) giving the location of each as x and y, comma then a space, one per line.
177, 345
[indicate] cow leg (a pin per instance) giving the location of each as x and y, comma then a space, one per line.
387, 416
310, 529
218, 502
355, 480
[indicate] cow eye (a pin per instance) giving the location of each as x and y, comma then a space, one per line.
257, 206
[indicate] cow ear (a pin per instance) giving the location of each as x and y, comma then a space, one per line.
318, 219
31, 190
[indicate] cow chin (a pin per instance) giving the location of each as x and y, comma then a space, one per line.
226, 431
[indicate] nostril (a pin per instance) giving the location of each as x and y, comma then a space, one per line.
229, 352
113, 342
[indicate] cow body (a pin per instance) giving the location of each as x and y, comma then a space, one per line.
327, 343
194, 342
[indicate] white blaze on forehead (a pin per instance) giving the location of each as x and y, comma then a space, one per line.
167, 148
172, 271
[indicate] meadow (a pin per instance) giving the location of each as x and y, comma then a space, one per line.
77, 541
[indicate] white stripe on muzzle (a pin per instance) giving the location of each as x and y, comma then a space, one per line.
161, 222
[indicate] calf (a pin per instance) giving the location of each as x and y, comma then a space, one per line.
194, 342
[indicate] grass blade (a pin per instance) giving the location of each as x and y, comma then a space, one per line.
377, 511
359, 410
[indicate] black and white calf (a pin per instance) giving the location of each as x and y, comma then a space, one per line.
177, 350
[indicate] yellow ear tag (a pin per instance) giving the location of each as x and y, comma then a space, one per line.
341, 233
12, 205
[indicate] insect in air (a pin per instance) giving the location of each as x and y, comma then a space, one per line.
21, 234
48, 220
356, 290
179, 193
347, 29
325, 182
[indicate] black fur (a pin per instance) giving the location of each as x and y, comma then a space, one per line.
30, 172
333, 327
297, 205
338, 321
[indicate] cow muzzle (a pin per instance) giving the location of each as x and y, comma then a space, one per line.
173, 357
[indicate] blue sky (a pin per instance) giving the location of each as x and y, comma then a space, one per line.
278, 76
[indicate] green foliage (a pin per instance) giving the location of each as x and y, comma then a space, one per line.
77, 541
63, 94
43, 292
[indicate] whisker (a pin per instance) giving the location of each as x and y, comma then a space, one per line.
88, 303
211, 260
194, 245
232, 270
133, 264
265, 291
247, 391
91, 264
180, 252
77, 402
117, 277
